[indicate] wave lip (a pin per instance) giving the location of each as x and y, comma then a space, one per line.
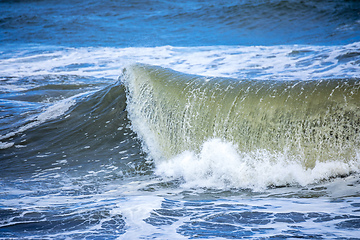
307, 122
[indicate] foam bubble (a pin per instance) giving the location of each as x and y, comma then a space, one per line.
220, 165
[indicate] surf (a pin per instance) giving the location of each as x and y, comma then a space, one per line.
307, 123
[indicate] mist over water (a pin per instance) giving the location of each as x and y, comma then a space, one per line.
179, 120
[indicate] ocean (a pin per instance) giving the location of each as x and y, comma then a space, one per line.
179, 119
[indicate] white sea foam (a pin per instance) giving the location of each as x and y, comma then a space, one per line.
260, 62
51, 112
220, 165
135, 210
4, 145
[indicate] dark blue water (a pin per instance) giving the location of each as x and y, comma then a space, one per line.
76, 164
180, 23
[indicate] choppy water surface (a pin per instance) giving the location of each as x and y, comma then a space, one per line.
179, 120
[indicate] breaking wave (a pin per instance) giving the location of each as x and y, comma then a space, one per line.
217, 132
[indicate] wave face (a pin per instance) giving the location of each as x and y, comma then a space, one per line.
83, 132
304, 122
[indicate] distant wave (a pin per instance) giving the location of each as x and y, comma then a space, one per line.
290, 62
180, 23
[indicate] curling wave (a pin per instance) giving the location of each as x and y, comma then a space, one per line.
306, 123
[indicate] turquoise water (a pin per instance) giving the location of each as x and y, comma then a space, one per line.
242, 123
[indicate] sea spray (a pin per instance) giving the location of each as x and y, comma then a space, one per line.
219, 165
296, 128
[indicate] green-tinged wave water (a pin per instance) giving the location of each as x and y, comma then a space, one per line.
312, 121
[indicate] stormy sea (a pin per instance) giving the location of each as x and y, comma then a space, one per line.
190, 119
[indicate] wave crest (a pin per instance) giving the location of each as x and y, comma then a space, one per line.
301, 131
